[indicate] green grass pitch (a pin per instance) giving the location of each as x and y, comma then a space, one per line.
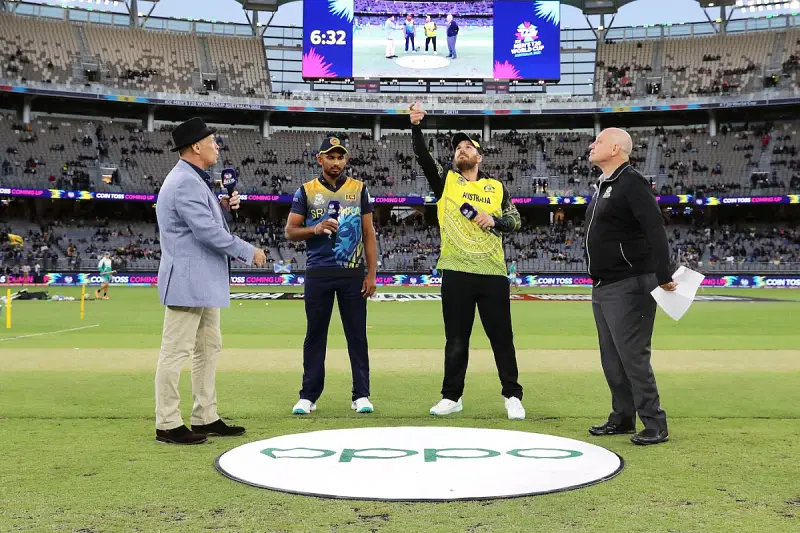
77, 427
474, 48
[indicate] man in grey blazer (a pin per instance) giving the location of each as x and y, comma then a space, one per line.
193, 284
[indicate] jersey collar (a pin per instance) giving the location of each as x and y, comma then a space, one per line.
614, 175
334, 188
481, 175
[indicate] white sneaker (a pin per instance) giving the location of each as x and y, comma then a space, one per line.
447, 407
515, 409
362, 405
304, 407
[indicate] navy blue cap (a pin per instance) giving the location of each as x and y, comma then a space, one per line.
332, 143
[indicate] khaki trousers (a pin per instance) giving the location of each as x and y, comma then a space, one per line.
188, 331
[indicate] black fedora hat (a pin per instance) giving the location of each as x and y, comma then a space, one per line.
189, 132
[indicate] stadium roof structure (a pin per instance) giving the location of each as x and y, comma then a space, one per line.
263, 5
597, 7
588, 7
610, 7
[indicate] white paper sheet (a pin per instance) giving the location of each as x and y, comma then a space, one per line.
676, 303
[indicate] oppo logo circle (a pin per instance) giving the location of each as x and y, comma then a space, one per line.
419, 463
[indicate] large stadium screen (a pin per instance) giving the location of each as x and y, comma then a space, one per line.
393, 39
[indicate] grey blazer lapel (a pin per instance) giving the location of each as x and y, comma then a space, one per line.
214, 200
220, 212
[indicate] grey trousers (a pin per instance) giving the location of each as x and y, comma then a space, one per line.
451, 45
624, 313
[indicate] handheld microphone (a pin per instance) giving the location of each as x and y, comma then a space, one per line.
229, 181
333, 212
470, 212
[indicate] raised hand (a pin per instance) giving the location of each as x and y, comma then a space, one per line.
417, 113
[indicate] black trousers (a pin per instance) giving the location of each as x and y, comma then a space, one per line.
624, 313
429, 40
319, 295
461, 293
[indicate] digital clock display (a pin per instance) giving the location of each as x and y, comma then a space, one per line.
328, 37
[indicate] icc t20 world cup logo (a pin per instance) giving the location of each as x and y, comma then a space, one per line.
527, 41
527, 32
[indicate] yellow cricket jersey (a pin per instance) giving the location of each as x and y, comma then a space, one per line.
430, 29
465, 246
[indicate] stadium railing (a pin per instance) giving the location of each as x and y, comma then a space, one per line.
431, 102
722, 267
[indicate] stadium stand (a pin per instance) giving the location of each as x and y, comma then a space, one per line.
171, 62
403, 246
131, 59
47, 153
53, 152
716, 65
692, 162
144, 60
744, 248
720, 64
619, 67
58, 152
790, 62
36, 50
243, 63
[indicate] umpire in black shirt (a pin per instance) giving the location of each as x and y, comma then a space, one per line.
627, 255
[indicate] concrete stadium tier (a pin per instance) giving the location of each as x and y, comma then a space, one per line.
135, 59
403, 246
719, 64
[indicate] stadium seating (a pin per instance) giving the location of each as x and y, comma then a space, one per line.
548, 162
243, 62
619, 66
746, 248
156, 61
144, 60
719, 64
403, 246
136, 59
36, 50
47, 153
790, 62
688, 161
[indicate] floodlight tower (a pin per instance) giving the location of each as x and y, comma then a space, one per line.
252, 8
